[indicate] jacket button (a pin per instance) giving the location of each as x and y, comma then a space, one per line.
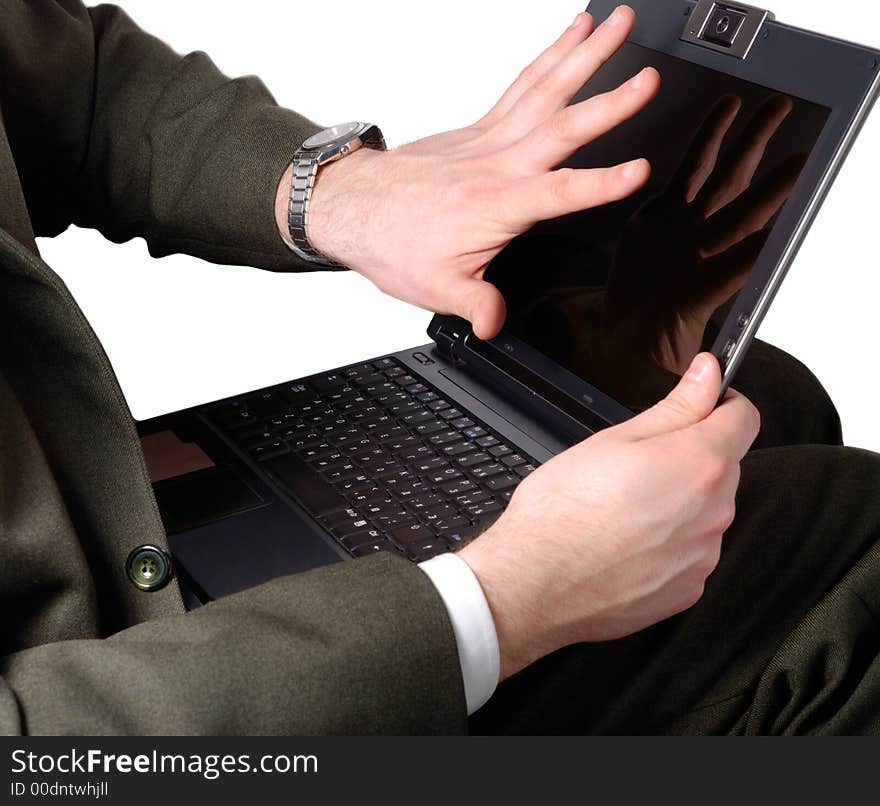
149, 568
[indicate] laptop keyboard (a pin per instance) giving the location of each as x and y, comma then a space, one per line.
379, 457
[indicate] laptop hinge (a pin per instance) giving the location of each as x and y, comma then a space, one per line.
725, 26
448, 342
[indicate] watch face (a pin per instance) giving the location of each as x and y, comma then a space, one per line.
322, 139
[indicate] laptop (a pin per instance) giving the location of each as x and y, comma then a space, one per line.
418, 452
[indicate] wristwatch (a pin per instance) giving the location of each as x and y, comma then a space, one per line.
326, 146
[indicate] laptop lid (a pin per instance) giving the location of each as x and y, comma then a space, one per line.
607, 308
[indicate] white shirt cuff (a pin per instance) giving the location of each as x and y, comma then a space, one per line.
472, 624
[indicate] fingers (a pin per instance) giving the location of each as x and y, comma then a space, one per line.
728, 182
702, 157
753, 210
691, 402
579, 30
555, 88
477, 301
575, 126
559, 193
724, 275
733, 427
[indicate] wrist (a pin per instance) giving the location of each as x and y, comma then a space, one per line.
510, 587
339, 207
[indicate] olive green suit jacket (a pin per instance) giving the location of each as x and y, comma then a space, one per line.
103, 126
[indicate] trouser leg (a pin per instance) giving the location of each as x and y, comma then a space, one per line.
786, 637
795, 408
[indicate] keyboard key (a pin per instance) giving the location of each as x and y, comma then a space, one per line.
429, 463
459, 486
429, 427
266, 404
475, 432
394, 372
403, 444
305, 440
440, 476
451, 414
354, 485
389, 434
524, 470
298, 394
468, 499
341, 473
373, 548
498, 451
392, 521
406, 380
487, 442
477, 511
417, 389
458, 449
445, 437
423, 501
353, 446
234, 418
415, 453
438, 405
462, 422
499, 483
326, 463
405, 407
376, 424
369, 380
488, 470
384, 363
407, 489
472, 459
379, 505
318, 451
269, 450
358, 370
413, 533
376, 389
513, 460
416, 417
426, 397
396, 477
360, 496
439, 514
388, 467
342, 520
328, 383
426, 549
361, 538
451, 524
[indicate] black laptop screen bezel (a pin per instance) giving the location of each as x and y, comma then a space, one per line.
840, 76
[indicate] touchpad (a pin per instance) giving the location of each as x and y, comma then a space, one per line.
204, 496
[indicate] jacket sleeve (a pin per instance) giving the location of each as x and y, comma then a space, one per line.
359, 647
111, 129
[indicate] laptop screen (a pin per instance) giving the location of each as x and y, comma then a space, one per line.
625, 296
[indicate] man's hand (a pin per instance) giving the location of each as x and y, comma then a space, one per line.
620, 532
423, 221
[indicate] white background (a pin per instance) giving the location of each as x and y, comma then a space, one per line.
180, 331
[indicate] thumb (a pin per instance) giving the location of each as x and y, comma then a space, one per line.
691, 402
480, 303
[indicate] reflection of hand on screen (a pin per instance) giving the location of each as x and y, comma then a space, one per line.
706, 230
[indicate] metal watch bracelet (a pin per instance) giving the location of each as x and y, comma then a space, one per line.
306, 163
